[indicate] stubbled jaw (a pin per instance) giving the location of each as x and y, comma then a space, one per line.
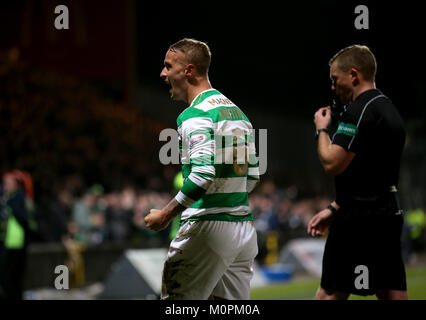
170, 86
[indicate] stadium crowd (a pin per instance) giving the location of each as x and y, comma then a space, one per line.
95, 216
92, 215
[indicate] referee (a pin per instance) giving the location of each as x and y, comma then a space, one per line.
363, 250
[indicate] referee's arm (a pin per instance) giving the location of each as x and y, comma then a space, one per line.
334, 158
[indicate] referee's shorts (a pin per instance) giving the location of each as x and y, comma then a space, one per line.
363, 250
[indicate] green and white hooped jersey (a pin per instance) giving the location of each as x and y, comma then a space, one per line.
219, 163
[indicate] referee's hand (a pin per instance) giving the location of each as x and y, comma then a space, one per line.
320, 223
322, 118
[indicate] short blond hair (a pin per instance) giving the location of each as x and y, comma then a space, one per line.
359, 57
196, 52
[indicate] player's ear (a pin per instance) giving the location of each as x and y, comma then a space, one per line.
190, 70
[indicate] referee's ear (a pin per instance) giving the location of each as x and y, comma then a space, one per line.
356, 77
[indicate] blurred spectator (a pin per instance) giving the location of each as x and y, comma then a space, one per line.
283, 210
88, 220
119, 214
16, 210
414, 233
53, 215
266, 218
117, 219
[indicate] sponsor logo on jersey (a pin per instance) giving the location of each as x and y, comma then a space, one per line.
196, 139
347, 129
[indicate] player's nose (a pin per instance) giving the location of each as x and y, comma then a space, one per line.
163, 74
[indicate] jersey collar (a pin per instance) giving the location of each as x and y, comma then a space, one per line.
202, 95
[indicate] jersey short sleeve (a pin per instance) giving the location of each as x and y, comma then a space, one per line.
354, 128
347, 132
356, 123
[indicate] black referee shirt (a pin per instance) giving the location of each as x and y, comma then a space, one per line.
373, 129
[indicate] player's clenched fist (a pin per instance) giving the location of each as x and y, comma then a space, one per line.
156, 220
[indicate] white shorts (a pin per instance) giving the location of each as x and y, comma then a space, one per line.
210, 258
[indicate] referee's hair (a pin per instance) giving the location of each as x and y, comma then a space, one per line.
359, 57
196, 52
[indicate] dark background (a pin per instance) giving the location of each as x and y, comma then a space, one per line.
274, 55
276, 51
